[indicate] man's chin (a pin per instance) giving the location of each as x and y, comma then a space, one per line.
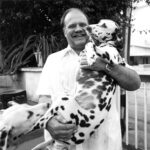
80, 42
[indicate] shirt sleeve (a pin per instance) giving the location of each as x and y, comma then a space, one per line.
44, 85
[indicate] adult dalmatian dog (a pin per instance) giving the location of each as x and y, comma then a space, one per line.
93, 85
89, 108
17, 121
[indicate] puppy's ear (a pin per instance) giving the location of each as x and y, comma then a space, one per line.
104, 25
4, 132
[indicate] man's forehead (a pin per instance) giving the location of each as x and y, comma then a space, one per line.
75, 15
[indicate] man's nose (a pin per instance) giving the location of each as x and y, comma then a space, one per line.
79, 28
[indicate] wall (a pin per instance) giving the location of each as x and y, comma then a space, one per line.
28, 79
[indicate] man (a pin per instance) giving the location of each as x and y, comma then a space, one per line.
59, 76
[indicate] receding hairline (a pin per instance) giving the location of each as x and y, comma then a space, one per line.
62, 22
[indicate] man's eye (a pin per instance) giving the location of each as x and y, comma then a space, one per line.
83, 24
72, 26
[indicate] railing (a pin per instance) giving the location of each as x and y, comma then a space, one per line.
138, 116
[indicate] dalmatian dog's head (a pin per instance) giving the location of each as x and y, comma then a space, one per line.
17, 120
103, 42
106, 30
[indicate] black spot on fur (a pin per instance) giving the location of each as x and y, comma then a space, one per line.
101, 87
92, 111
4, 134
101, 121
91, 133
69, 122
42, 119
48, 105
8, 145
55, 114
104, 38
2, 143
74, 139
30, 114
108, 107
102, 106
36, 127
42, 125
88, 84
79, 141
66, 142
92, 117
57, 108
95, 91
102, 100
62, 107
20, 135
81, 134
106, 83
97, 126
73, 116
65, 98
84, 124
15, 138
52, 111
84, 115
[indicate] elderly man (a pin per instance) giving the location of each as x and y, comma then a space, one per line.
59, 76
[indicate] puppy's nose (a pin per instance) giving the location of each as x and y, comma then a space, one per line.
89, 29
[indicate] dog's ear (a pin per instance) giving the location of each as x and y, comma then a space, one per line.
104, 25
4, 133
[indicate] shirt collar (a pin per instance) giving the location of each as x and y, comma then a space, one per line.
71, 51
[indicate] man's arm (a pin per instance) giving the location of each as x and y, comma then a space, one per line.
57, 126
127, 78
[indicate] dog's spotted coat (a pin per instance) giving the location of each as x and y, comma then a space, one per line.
18, 120
94, 91
94, 88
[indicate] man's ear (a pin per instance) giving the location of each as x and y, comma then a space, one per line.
64, 30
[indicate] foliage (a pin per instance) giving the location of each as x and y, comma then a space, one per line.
16, 55
29, 24
20, 54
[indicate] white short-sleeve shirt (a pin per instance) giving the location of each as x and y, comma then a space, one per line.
59, 77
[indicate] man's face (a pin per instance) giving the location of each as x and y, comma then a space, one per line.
74, 32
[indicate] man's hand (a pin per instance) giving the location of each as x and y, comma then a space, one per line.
59, 129
98, 65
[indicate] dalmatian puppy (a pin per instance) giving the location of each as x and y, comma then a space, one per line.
89, 108
16, 121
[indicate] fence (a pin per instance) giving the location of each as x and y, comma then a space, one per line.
137, 116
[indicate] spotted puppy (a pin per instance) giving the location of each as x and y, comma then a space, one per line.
16, 121
89, 108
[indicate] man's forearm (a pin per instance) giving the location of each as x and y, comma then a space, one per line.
126, 78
